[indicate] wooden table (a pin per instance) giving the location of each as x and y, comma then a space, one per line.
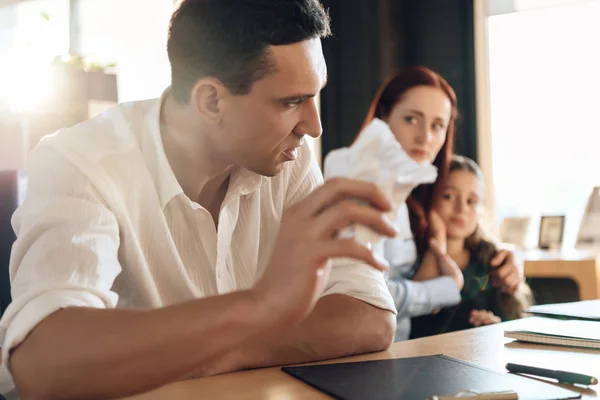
485, 346
580, 266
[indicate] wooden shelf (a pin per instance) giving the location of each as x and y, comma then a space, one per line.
579, 266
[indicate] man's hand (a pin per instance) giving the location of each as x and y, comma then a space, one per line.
483, 317
299, 267
507, 273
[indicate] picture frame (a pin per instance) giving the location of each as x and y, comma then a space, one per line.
552, 228
588, 238
514, 230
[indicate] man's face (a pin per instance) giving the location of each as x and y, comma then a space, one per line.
263, 129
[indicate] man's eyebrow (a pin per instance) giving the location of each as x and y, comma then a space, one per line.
302, 96
297, 97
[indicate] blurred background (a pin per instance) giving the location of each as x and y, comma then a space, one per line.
525, 73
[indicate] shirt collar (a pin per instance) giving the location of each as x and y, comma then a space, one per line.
242, 181
164, 179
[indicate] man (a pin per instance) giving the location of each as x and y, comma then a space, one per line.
152, 245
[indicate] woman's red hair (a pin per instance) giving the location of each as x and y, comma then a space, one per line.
390, 93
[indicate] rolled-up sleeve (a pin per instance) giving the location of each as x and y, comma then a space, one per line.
413, 298
360, 281
66, 252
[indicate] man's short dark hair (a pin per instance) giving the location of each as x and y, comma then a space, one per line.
227, 39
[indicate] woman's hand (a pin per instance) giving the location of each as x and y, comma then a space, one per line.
483, 317
507, 271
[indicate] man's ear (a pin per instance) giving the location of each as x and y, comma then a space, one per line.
207, 98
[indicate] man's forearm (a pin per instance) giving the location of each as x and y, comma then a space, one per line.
339, 326
88, 353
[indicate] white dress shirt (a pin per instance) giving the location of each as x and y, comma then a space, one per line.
106, 224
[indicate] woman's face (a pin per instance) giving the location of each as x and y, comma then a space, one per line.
459, 206
420, 122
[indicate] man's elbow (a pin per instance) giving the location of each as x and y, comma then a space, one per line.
387, 331
381, 331
22, 380
30, 378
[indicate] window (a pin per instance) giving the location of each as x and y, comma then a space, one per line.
132, 34
545, 107
129, 33
31, 34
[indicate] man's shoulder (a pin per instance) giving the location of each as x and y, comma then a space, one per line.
102, 154
114, 131
104, 151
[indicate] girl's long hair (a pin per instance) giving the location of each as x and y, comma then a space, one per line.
483, 245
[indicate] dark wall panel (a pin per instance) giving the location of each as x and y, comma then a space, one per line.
439, 35
375, 38
9, 184
353, 62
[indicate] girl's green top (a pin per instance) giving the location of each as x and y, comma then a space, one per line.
477, 294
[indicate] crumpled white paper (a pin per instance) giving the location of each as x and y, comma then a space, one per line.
377, 157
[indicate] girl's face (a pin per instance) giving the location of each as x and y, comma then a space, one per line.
419, 120
460, 204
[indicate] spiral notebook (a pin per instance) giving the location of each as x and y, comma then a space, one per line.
571, 333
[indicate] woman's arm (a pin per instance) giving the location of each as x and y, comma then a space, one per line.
420, 298
413, 298
427, 269
446, 265
436, 260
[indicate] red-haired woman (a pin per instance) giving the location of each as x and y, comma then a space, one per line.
421, 108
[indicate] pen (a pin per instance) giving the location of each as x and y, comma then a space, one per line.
561, 376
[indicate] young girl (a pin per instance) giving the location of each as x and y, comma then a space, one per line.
457, 237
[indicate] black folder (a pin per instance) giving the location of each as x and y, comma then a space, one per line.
418, 378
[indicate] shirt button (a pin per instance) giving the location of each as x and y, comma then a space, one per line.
219, 274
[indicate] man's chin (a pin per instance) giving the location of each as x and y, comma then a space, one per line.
270, 171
